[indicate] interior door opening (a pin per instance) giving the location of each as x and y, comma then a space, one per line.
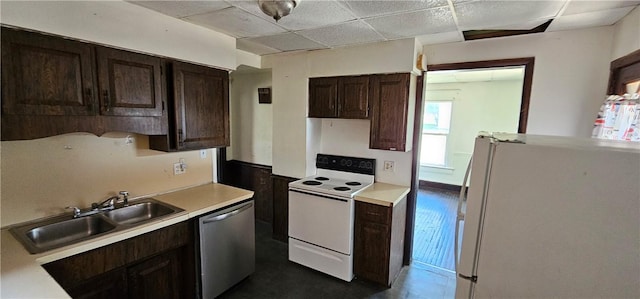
459, 101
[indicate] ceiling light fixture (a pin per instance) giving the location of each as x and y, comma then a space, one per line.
277, 8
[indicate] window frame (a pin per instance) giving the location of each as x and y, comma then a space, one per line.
447, 155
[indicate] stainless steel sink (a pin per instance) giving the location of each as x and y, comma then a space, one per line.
64, 230
60, 231
150, 209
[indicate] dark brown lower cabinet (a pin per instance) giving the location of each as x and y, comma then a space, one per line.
158, 264
157, 277
379, 241
281, 207
112, 284
254, 177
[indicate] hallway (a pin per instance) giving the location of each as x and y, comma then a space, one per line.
435, 228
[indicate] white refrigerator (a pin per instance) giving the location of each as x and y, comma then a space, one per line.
551, 217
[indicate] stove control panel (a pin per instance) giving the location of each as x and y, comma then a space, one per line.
348, 164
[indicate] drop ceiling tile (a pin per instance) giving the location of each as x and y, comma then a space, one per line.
582, 6
589, 19
180, 9
411, 24
356, 32
483, 15
288, 42
255, 48
440, 38
366, 8
235, 22
308, 14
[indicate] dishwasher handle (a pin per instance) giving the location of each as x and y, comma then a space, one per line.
227, 215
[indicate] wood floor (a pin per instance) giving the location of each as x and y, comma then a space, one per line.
435, 228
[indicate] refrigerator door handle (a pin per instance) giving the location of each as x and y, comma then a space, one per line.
469, 278
460, 217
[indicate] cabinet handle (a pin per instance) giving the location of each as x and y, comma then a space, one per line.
88, 98
107, 103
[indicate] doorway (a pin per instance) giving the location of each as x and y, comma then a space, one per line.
460, 100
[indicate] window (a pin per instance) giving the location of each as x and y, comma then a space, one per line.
435, 132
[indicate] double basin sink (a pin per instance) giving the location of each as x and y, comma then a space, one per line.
63, 230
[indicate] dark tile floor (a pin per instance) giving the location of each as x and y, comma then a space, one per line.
277, 277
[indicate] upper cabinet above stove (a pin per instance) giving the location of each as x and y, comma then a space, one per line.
339, 97
387, 99
392, 112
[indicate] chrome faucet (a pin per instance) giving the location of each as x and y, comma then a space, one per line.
76, 211
125, 197
107, 204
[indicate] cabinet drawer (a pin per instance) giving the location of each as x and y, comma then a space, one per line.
373, 213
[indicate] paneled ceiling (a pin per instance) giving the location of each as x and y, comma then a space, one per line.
324, 24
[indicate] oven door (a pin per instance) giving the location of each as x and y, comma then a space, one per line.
322, 220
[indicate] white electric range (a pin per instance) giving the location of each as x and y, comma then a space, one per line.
321, 213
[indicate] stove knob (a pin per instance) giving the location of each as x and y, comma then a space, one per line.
362, 164
349, 162
369, 165
343, 162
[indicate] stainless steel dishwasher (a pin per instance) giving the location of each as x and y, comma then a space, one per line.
227, 248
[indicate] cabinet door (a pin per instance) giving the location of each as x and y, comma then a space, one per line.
323, 97
106, 286
281, 207
371, 252
263, 195
389, 110
353, 97
201, 103
156, 278
45, 75
130, 83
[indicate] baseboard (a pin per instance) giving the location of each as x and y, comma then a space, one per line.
443, 186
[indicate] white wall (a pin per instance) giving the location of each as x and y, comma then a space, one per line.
124, 25
570, 74
626, 38
477, 106
297, 139
350, 137
40, 177
251, 122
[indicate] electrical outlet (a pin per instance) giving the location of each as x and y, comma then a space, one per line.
177, 169
180, 167
203, 154
389, 166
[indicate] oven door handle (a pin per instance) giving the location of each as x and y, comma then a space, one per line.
319, 195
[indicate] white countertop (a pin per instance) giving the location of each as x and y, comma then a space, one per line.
21, 274
383, 194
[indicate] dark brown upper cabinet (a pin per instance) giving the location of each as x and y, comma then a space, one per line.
53, 85
323, 97
339, 97
200, 109
43, 75
391, 111
130, 83
353, 97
